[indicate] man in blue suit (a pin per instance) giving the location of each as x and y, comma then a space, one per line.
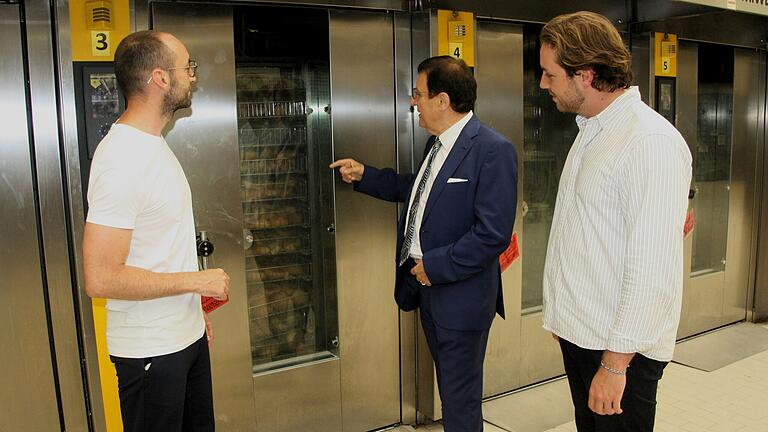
459, 217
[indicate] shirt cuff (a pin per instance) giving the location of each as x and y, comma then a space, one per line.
625, 345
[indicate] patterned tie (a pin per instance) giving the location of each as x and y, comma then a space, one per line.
416, 198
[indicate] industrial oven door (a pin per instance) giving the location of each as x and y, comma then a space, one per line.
309, 338
718, 101
31, 393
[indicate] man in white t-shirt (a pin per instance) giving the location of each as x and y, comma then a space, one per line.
139, 247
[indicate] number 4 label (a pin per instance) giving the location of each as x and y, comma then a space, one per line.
101, 46
456, 50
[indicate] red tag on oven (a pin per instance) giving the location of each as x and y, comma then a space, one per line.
689, 223
511, 254
210, 304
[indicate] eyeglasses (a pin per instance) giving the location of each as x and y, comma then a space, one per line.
191, 68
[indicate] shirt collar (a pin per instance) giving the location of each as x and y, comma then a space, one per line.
450, 135
606, 116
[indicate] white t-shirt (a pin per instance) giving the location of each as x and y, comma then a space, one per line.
137, 183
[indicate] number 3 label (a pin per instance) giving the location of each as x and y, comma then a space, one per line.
100, 43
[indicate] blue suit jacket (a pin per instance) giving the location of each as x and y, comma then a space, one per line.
466, 225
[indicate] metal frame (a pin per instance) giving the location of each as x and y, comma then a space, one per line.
33, 400
756, 311
743, 209
499, 73
362, 46
423, 45
76, 212
759, 299
53, 219
409, 325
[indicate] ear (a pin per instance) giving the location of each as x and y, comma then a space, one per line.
587, 75
445, 100
158, 77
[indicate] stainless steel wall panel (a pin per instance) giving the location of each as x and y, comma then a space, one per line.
29, 397
362, 97
759, 302
204, 139
687, 91
423, 46
702, 304
752, 287
699, 299
71, 157
540, 11
405, 157
140, 15
311, 404
741, 214
404, 82
641, 48
540, 356
389, 5
652, 10
499, 75
50, 185
702, 28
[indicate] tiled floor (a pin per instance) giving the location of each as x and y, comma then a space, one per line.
731, 399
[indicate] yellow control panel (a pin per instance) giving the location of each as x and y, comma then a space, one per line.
97, 27
456, 35
665, 54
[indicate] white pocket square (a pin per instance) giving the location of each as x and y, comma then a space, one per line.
457, 180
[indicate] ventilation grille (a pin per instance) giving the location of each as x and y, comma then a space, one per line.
101, 14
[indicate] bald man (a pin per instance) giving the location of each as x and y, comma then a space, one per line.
139, 247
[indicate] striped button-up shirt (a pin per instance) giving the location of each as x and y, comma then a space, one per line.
614, 267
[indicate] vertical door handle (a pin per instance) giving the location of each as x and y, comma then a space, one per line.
204, 249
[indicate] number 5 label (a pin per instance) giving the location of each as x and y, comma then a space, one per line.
100, 43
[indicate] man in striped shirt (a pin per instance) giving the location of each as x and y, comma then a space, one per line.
614, 267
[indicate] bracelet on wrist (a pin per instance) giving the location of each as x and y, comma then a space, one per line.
612, 370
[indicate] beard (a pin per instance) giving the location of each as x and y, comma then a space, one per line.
569, 101
177, 98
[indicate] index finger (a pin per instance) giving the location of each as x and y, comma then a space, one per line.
339, 163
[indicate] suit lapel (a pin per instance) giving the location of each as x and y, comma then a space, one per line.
460, 149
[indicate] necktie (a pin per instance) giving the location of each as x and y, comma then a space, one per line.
416, 198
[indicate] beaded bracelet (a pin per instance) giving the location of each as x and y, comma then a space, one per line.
612, 370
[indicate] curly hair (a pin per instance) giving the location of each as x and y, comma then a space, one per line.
587, 40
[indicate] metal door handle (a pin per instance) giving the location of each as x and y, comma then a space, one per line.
204, 249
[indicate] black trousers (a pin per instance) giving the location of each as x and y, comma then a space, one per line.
458, 357
638, 402
168, 393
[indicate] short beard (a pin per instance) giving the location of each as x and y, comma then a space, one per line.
573, 102
173, 102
